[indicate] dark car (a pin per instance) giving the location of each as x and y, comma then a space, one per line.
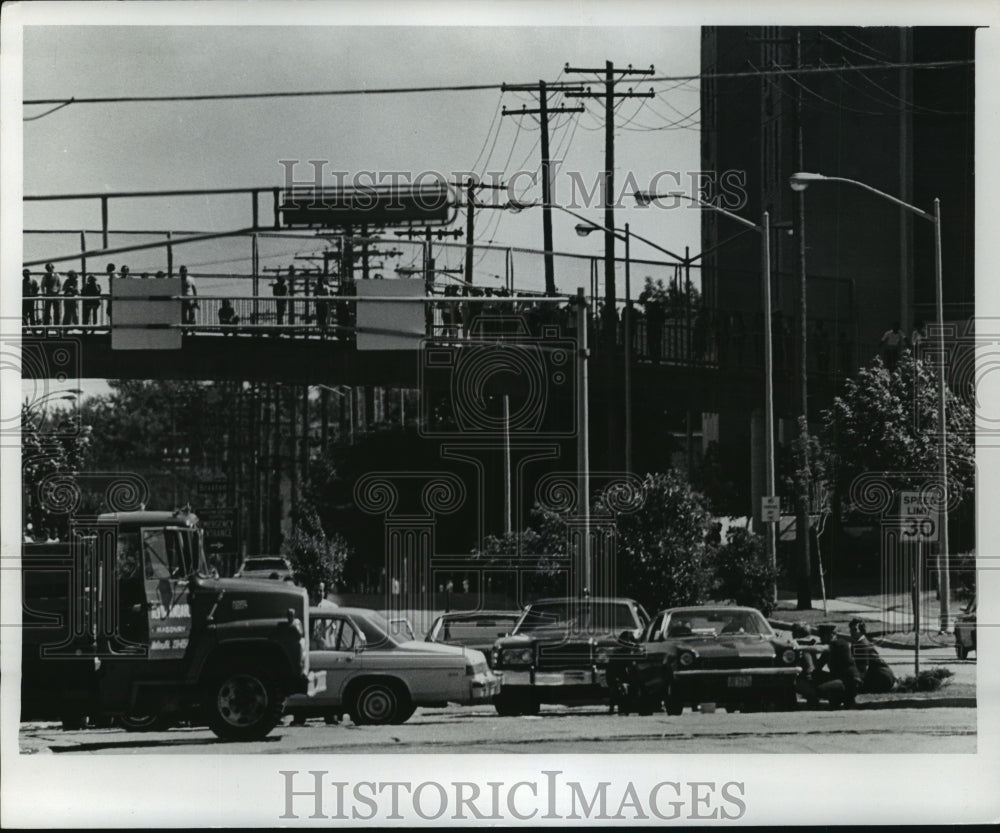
558, 652
707, 654
965, 632
473, 629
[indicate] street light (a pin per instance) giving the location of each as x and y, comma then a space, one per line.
645, 198
799, 182
582, 230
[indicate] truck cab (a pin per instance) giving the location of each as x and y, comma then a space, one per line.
127, 619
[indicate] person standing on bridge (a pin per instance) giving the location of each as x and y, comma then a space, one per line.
70, 291
90, 291
29, 291
51, 289
188, 288
279, 289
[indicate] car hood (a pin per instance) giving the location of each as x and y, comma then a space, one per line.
728, 646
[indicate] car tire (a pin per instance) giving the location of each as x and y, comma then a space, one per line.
514, 705
242, 703
404, 714
377, 704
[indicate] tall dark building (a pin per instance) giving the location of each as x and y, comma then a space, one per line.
854, 103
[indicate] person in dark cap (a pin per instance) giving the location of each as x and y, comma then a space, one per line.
878, 677
70, 291
840, 680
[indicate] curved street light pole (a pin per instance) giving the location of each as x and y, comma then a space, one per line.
799, 182
764, 229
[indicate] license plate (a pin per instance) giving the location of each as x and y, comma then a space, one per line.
741, 681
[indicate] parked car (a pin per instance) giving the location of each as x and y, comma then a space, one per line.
379, 678
265, 567
965, 632
477, 629
558, 652
692, 655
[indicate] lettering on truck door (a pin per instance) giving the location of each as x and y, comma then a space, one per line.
167, 604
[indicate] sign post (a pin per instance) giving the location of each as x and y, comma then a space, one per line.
918, 525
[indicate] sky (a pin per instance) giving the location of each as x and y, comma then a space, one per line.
231, 144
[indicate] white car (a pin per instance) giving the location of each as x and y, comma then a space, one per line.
379, 678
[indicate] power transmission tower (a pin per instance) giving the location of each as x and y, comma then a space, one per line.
548, 195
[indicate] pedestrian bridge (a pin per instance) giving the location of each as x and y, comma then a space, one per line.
709, 361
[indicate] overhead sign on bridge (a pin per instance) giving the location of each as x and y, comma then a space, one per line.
145, 314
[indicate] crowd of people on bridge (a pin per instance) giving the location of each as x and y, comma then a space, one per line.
51, 299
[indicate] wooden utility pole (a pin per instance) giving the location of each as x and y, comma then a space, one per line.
548, 191
611, 77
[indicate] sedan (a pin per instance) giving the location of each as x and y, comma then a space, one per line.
477, 629
707, 654
380, 678
265, 567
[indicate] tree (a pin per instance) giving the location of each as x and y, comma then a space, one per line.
314, 556
886, 423
51, 444
662, 554
743, 571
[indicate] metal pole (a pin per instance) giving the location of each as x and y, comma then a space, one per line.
944, 577
916, 609
583, 437
255, 260
628, 351
507, 525
769, 486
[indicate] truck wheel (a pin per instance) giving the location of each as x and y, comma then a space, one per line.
144, 723
243, 703
377, 704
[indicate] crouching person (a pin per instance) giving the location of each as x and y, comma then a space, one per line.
877, 676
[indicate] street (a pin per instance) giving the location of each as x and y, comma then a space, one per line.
942, 721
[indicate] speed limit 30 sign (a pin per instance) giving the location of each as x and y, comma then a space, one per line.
918, 522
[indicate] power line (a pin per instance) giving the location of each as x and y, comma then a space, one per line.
134, 99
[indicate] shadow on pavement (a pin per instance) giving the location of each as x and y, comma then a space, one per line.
914, 703
148, 743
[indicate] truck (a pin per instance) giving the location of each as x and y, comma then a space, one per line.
126, 620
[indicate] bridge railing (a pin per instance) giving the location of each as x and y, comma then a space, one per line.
708, 338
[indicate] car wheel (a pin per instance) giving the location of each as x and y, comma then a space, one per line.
144, 722
242, 702
512, 705
377, 704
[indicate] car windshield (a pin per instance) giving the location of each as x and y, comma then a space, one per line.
265, 564
375, 629
716, 622
473, 631
577, 616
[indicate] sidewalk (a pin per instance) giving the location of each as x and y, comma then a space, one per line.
889, 618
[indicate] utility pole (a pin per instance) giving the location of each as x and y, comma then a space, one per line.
611, 77
548, 194
610, 318
803, 573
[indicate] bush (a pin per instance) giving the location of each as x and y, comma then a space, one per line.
743, 571
662, 555
929, 680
